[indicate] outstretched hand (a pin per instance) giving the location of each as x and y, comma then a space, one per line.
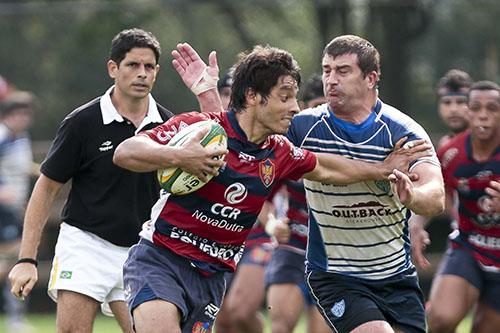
190, 66
406, 153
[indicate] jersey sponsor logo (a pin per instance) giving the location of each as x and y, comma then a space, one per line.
245, 158
361, 212
167, 135
222, 223
487, 218
235, 193
448, 156
106, 145
383, 185
487, 242
201, 327
299, 229
266, 172
211, 310
213, 249
338, 308
297, 153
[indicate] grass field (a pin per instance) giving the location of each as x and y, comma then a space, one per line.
47, 324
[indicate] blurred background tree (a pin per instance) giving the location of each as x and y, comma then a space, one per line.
59, 49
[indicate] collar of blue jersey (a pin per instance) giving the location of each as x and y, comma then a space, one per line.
241, 143
110, 114
356, 127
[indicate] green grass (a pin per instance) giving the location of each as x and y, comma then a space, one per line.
46, 323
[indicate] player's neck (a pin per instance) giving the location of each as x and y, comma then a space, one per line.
253, 130
357, 111
482, 150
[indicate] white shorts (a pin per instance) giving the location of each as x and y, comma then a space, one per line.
88, 265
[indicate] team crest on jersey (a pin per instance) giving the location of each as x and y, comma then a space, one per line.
201, 327
383, 185
266, 172
338, 308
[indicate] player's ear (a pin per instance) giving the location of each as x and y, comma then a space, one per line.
112, 69
372, 79
251, 97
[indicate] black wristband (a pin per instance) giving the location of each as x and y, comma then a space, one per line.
27, 260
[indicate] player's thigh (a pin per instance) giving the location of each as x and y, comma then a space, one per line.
285, 302
75, 312
157, 316
451, 298
122, 315
375, 326
315, 321
486, 319
247, 288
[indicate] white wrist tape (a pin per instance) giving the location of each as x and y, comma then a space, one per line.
271, 224
204, 82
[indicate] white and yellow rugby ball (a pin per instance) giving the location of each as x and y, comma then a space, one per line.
179, 182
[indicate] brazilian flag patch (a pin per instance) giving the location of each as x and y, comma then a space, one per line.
66, 275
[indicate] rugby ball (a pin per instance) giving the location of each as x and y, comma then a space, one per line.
179, 182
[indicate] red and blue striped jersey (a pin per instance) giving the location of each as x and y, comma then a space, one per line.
210, 226
478, 228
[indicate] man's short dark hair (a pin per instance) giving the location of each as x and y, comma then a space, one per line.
484, 85
17, 101
454, 81
368, 55
313, 88
127, 39
259, 71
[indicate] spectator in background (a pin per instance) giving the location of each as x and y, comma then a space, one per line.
16, 113
106, 204
287, 292
469, 277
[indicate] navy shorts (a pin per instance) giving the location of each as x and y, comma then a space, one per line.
153, 272
287, 266
347, 302
460, 262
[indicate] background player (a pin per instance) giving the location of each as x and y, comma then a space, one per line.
470, 274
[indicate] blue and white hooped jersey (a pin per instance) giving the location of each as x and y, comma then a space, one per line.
360, 230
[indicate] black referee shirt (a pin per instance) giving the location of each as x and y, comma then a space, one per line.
104, 199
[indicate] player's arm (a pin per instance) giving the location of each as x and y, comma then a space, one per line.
426, 196
23, 276
335, 169
200, 78
142, 154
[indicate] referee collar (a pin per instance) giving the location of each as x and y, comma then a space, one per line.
110, 114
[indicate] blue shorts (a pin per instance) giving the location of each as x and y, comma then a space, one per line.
460, 262
347, 302
287, 266
152, 272
258, 254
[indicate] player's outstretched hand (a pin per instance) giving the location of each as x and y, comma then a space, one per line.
278, 228
201, 161
402, 186
22, 278
191, 67
493, 190
406, 153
